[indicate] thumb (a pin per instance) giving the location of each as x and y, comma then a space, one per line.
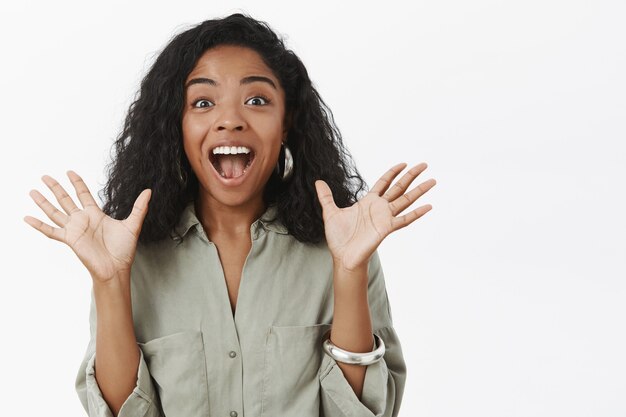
325, 196
140, 209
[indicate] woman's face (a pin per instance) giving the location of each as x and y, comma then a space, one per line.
233, 124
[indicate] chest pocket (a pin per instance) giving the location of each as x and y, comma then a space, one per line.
178, 370
293, 355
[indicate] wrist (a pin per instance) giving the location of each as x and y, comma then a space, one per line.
343, 267
117, 277
118, 284
349, 280
112, 296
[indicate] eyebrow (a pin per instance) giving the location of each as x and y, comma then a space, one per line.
246, 80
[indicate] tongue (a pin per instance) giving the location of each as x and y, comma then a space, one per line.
232, 165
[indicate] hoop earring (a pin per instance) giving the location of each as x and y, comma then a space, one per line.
284, 166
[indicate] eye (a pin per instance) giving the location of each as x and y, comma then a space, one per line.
202, 100
259, 101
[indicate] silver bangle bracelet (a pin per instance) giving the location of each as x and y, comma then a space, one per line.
355, 358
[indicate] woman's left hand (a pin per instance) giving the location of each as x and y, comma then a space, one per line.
353, 233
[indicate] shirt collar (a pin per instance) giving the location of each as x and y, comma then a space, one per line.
267, 221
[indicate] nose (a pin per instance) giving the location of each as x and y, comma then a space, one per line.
230, 118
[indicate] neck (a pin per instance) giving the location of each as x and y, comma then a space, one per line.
219, 219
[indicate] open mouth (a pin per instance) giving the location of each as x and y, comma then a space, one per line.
231, 161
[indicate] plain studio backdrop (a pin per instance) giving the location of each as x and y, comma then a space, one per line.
508, 296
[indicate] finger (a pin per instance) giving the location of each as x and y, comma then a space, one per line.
383, 183
403, 183
46, 229
61, 195
57, 216
138, 214
405, 200
403, 221
82, 191
325, 196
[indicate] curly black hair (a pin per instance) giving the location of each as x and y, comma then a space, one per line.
150, 154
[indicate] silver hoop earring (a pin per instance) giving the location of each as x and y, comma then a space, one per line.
284, 166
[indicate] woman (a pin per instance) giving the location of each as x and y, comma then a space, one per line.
234, 262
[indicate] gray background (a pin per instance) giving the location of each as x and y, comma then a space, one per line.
508, 296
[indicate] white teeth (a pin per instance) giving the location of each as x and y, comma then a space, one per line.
227, 150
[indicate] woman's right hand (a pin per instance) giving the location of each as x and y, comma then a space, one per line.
104, 245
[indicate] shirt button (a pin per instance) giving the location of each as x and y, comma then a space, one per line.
232, 354
233, 414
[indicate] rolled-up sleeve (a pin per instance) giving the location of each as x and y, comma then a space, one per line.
142, 401
384, 382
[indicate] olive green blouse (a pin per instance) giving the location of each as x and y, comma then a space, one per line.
197, 359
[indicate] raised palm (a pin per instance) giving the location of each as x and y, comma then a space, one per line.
104, 245
353, 233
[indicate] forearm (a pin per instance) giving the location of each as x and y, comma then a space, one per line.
117, 353
352, 324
